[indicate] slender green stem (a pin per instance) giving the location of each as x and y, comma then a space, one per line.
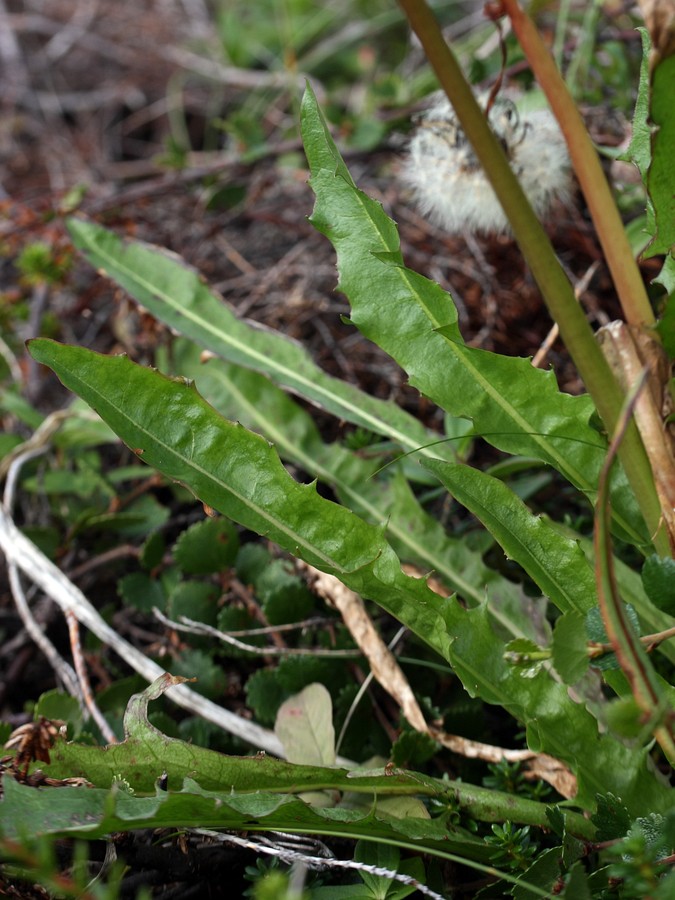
540, 256
632, 657
608, 225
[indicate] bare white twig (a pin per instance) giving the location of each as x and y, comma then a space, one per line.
76, 682
198, 17
85, 101
64, 671
270, 848
313, 622
22, 555
192, 627
232, 75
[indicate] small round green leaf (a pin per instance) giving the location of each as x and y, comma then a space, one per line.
207, 546
140, 591
194, 599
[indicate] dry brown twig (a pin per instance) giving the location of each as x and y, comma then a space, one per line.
83, 676
552, 336
390, 676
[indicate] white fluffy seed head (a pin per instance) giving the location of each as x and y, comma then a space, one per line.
449, 184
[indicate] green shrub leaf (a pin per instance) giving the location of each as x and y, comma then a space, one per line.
137, 589
248, 794
152, 551
555, 563
514, 406
377, 497
595, 629
207, 546
264, 694
661, 178
171, 427
196, 600
210, 677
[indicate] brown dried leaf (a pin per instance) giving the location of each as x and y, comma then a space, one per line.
659, 16
382, 661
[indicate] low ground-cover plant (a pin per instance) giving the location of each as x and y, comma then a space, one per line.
572, 668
